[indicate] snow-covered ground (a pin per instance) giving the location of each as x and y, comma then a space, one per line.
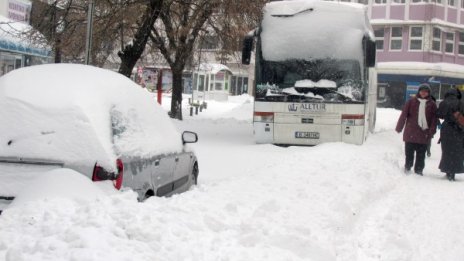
258, 202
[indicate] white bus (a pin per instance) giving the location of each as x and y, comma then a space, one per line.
315, 79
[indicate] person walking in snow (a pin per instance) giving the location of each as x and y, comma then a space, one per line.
429, 145
419, 117
451, 135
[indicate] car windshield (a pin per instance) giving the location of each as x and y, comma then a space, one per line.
326, 80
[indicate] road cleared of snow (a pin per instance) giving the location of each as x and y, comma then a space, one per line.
259, 202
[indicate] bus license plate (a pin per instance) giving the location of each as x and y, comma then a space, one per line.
306, 135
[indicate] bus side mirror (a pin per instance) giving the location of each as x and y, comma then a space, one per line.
247, 48
370, 53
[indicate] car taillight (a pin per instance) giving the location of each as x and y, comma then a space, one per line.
100, 174
261, 116
118, 181
353, 119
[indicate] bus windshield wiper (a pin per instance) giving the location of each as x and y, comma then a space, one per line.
290, 15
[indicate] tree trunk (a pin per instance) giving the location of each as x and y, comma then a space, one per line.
131, 53
176, 103
57, 49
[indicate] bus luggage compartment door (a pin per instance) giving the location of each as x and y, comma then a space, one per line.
264, 132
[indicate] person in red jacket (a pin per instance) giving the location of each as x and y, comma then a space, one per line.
419, 116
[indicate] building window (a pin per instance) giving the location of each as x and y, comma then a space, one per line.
396, 39
451, 2
415, 38
436, 1
365, 2
380, 2
449, 45
462, 4
461, 43
398, 1
420, 1
436, 41
379, 38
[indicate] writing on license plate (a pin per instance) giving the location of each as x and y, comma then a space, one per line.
306, 135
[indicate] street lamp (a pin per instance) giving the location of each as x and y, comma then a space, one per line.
88, 43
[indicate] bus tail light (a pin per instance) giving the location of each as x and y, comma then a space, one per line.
353, 119
100, 174
263, 116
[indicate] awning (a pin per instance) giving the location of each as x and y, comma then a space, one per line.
9, 46
13, 38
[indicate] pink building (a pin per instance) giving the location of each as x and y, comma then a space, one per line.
418, 41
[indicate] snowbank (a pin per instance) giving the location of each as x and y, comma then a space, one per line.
331, 202
58, 183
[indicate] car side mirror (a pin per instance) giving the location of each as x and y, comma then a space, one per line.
247, 48
189, 137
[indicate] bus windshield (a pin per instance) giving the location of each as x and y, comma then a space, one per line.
323, 80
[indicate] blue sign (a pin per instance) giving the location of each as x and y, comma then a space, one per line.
411, 90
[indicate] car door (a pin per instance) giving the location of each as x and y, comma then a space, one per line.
162, 174
182, 171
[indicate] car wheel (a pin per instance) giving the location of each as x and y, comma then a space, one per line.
149, 193
195, 174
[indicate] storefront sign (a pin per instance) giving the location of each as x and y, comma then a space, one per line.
411, 90
19, 11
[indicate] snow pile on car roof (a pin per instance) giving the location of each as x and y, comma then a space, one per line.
69, 113
313, 29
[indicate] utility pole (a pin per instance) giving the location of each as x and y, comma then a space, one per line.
88, 44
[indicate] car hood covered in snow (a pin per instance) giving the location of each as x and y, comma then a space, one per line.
66, 112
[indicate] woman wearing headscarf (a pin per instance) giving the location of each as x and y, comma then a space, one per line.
451, 135
419, 117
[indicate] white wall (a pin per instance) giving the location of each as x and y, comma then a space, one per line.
4, 8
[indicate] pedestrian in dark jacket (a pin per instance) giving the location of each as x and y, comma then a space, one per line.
451, 135
429, 145
419, 116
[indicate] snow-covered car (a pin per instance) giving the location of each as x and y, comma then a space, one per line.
94, 121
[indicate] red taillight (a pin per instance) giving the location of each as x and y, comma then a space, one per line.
118, 181
352, 116
100, 174
353, 119
262, 116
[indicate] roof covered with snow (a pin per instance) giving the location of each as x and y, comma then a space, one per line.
422, 68
308, 29
16, 37
213, 67
79, 114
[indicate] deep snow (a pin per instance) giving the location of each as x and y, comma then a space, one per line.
259, 202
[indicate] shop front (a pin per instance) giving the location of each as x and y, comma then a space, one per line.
16, 50
398, 83
211, 82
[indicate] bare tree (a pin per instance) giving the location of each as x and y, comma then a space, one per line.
181, 23
131, 53
232, 22
63, 23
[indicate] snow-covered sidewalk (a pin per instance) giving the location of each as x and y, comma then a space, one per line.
259, 202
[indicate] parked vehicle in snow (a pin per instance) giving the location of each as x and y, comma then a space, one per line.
93, 121
315, 80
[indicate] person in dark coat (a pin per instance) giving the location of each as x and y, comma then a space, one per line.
451, 135
429, 145
419, 117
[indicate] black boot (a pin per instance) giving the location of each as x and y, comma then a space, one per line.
450, 176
